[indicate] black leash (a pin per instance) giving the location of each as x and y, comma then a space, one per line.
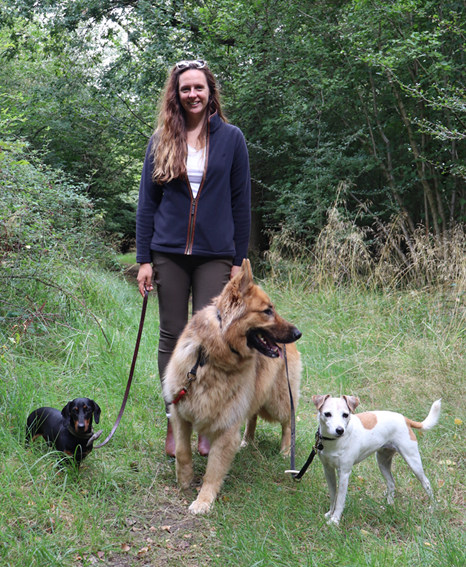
130, 379
293, 418
297, 475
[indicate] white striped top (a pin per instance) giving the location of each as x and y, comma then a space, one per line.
195, 168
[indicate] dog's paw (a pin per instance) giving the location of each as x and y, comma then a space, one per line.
200, 507
184, 479
333, 521
184, 484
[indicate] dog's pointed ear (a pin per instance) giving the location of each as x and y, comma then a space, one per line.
66, 410
320, 400
243, 280
96, 411
246, 276
352, 402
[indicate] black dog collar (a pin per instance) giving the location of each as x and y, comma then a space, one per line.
84, 436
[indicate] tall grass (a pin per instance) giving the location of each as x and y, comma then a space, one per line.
346, 254
398, 350
388, 328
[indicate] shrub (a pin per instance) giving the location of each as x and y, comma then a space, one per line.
48, 228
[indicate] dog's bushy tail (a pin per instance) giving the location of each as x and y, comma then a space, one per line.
431, 420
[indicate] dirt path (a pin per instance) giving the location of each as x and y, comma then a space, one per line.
130, 271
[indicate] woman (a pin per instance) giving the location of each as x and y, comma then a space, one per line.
193, 216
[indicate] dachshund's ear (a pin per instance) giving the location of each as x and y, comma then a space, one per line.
96, 411
66, 410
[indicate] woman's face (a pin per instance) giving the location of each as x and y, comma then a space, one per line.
193, 91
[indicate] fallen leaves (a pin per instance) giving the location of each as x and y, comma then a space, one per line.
448, 462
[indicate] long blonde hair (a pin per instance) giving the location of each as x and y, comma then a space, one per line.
169, 148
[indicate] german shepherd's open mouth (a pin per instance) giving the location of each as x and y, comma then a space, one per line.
263, 342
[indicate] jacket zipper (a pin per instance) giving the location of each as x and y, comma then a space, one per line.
190, 240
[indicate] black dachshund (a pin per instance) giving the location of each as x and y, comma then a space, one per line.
68, 430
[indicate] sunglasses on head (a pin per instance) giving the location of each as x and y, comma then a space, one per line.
196, 64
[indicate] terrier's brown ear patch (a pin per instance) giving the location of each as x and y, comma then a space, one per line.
352, 402
320, 400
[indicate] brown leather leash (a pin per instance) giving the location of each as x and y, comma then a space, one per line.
130, 379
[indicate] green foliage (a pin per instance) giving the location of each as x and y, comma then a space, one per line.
350, 92
360, 92
48, 229
71, 115
412, 55
46, 218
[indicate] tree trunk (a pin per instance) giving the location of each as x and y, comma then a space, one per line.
428, 191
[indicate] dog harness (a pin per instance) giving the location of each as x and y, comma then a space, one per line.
191, 375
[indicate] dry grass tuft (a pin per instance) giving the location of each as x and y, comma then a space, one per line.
341, 251
345, 253
428, 260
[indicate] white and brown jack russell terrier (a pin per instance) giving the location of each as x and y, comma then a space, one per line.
346, 438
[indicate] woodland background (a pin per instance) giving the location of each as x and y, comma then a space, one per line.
352, 106
354, 115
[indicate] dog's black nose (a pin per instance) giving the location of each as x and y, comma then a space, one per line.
339, 431
297, 334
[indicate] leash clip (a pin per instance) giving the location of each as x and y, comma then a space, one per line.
318, 444
293, 473
191, 376
94, 437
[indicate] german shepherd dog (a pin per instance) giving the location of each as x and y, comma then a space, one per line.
228, 368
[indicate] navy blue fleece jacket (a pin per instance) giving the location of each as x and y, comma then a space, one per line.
215, 224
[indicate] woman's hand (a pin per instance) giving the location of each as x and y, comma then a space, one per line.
145, 278
234, 271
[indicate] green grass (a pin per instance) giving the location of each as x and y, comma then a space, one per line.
127, 259
396, 351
